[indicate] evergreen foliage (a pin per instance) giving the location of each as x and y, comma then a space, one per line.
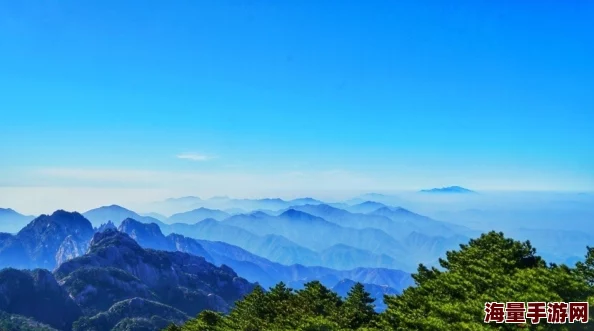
491, 268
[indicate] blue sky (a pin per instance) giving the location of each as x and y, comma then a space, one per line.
392, 94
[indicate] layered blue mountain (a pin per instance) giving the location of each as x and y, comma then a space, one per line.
116, 214
558, 246
363, 207
11, 221
361, 221
46, 241
279, 249
423, 224
383, 238
117, 274
344, 240
158, 216
318, 234
449, 190
428, 249
385, 199
177, 205
198, 215
117, 284
256, 268
274, 247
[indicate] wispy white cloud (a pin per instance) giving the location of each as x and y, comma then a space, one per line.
195, 157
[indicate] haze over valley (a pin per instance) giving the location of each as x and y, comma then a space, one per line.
293, 165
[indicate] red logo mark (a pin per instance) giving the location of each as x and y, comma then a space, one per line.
557, 312
515, 312
536, 311
578, 312
494, 312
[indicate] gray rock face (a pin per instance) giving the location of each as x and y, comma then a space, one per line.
133, 314
117, 283
105, 226
96, 289
36, 294
43, 242
70, 248
186, 282
139, 231
188, 245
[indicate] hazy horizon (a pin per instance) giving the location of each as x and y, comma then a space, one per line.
111, 111
105, 103
47, 200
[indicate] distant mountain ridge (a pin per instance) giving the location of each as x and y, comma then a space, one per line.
184, 204
198, 215
374, 240
117, 282
364, 207
123, 270
256, 268
297, 226
284, 238
12, 221
117, 214
449, 189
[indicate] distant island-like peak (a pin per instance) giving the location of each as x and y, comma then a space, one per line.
449, 189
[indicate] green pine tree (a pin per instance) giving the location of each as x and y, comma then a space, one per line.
358, 309
250, 314
317, 300
490, 268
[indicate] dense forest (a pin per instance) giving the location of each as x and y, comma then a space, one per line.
492, 268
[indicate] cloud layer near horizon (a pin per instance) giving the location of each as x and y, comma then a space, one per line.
43, 189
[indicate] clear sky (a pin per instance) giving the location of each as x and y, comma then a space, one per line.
255, 97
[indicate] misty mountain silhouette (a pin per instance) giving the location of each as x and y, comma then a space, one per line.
449, 189
12, 221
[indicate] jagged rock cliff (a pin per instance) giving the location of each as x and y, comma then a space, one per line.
46, 241
116, 268
36, 294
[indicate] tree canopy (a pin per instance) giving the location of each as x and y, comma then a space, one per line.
491, 268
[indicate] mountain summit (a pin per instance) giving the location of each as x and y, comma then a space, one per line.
46, 241
449, 189
178, 283
116, 214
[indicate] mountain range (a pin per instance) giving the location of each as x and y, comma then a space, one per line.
117, 214
197, 215
345, 240
11, 221
117, 282
111, 268
46, 241
177, 205
117, 276
256, 268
